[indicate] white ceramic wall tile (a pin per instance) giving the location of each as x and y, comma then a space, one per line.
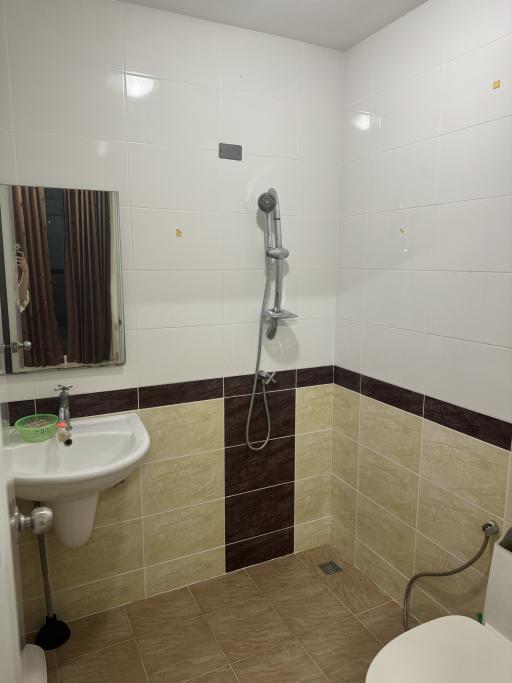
126, 238
474, 376
323, 72
470, 93
468, 24
3, 32
8, 172
321, 189
172, 46
173, 178
359, 130
472, 306
130, 320
241, 295
311, 242
349, 299
301, 343
397, 298
351, 238
243, 241
71, 31
169, 113
179, 354
408, 111
71, 100
359, 71
316, 293
64, 161
395, 356
321, 133
259, 63
239, 344
476, 162
355, 184
5, 89
167, 298
347, 348
261, 125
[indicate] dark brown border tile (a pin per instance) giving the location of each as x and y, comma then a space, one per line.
180, 392
282, 411
259, 512
19, 409
247, 470
241, 385
260, 549
489, 429
405, 399
308, 377
95, 403
347, 379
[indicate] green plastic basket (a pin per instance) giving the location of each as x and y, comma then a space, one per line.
35, 428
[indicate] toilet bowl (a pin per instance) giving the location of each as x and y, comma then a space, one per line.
455, 648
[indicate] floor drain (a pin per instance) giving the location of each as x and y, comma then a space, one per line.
330, 567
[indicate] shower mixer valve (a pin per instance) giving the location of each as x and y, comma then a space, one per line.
267, 377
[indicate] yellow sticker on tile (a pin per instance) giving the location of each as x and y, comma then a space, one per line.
496, 85
179, 233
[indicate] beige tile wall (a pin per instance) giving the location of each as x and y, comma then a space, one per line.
420, 493
164, 526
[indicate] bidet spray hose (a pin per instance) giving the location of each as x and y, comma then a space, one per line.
489, 529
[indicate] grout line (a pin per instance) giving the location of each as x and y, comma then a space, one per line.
324, 676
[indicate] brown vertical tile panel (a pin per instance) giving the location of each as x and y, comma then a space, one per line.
19, 409
347, 379
494, 431
405, 399
95, 403
281, 405
259, 512
307, 377
259, 549
241, 385
180, 392
247, 470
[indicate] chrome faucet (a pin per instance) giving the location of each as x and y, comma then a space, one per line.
64, 424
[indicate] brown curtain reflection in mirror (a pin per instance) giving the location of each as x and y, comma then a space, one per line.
38, 321
87, 274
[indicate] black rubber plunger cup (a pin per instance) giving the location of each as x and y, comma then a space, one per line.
54, 632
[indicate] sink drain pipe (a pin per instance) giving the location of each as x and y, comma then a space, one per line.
489, 529
54, 632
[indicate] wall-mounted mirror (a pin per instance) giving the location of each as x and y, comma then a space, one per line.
60, 278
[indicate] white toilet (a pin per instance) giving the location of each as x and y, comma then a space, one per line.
457, 649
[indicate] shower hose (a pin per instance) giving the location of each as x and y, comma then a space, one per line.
489, 529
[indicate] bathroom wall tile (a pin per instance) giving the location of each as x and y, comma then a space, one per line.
183, 532
453, 523
395, 396
180, 392
346, 407
96, 403
483, 427
347, 378
259, 549
247, 470
424, 608
467, 467
322, 134
342, 540
344, 458
179, 482
392, 432
307, 377
312, 242
186, 570
95, 560
121, 502
381, 572
8, 169
259, 512
240, 385
312, 498
508, 509
184, 429
463, 593
19, 409
91, 598
282, 409
34, 613
391, 486
311, 534
343, 504
313, 454
385, 534
31, 580
314, 408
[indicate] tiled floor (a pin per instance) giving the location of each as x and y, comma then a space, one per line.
282, 621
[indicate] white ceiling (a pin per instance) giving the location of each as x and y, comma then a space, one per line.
332, 23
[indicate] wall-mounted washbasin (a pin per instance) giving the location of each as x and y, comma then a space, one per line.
69, 478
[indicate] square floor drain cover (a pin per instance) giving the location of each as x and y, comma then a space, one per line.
330, 567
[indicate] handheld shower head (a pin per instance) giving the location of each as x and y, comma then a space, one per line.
267, 202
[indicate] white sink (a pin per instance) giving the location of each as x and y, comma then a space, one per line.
69, 478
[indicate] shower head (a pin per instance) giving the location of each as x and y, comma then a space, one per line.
267, 202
